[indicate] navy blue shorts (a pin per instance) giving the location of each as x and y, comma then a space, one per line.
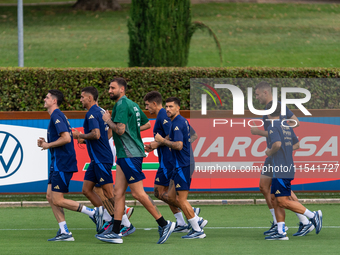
267, 169
281, 187
163, 176
59, 180
132, 169
99, 173
182, 177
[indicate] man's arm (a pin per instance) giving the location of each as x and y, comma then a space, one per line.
275, 147
62, 140
93, 135
193, 137
296, 146
154, 145
118, 128
145, 126
178, 145
293, 123
256, 131
109, 134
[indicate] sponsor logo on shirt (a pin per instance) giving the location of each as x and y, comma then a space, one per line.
165, 121
271, 131
91, 117
176, 128
57, 121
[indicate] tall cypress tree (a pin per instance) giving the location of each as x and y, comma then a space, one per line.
160, 32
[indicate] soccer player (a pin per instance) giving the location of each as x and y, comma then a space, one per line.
180, 137
264, 95
99, 170
63, 165
153, 103
126, 230
126, 123
282, 142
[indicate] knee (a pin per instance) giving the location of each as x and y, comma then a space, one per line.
136, 195
159, 193
57, 202
49, 198
282, 203
156, 194
173, 200
117, 194
180, 200
86, 192
263, 188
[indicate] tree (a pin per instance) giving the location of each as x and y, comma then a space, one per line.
97, 5
160, 33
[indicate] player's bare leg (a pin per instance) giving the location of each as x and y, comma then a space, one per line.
90, 194
138, 193
119, 193
161, 192
265, 183
285, 202
57, 211
185, 206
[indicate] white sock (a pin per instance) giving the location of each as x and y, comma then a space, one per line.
107, 217
194, 224
179, 218
125, 221
273, 213
88, 211
309, 214
281, 227
63, 227
302, 218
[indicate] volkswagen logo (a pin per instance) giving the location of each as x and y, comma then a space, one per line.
11, 154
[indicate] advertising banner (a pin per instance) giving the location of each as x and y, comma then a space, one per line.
21, 161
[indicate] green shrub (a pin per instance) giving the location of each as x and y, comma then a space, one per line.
23, 89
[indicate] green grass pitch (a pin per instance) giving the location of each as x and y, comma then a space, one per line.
232, 229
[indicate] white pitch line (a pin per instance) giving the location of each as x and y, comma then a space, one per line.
146, 229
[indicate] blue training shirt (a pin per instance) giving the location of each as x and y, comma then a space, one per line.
99, 150
181, 131
63, 158
162, 127
284, 156
288, 115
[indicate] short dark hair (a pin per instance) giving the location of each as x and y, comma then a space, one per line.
120, 81
153, 96
91, 90
277, 111
58, 95
173, 99
263, 85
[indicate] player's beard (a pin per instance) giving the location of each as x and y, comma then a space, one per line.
170, 115
114, 96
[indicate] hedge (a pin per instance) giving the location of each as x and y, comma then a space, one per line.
23, 89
